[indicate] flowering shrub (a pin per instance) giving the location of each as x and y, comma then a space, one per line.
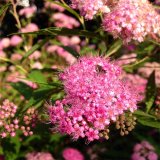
79, 79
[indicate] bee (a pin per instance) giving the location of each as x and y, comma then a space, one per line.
100, 69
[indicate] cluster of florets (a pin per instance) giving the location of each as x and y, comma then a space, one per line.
89, 8
143, 151
10, 124
29, 120
95, 97
39, 156
132, 20
72, 154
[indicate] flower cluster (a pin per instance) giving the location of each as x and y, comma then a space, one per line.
10, 124
89, 8
143, 151
72, 154
7, 112
132, 20
95, 96
39, 156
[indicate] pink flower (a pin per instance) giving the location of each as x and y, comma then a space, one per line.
35, 55
54, 6
72, 154
62, 20
15, 40
16, 56
4, 43
95, 96
39, 156
89, 8
30, 28
132, 20
28, 12
143, 151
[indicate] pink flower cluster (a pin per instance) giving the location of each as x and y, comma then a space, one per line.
72, 154
95, 96
31, 27
132, 20
7, 42
28, 11
144, 151
53, 6
62, 20
89, 8
7, 112
39, 156
9, 124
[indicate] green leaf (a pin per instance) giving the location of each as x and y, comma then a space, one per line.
23, 89
54, 31
37, 76
141, 113
34, 48
71, 51
114, 48
150, 92
149, 122
4, 8
136, 65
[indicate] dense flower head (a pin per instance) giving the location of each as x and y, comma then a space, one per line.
132, 20
72, 154
95, 96
89, 8
39, 156
144, 151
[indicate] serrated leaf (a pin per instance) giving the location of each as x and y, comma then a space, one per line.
23, 89
150, 92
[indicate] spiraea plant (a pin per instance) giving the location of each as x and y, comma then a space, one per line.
79, 79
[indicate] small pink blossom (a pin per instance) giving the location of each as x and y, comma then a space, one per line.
62, 20
89, 8
15, 40
4, 43
30, 28
54, 6
35, 55
72, 154
143, 151
39, 156
28, 11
